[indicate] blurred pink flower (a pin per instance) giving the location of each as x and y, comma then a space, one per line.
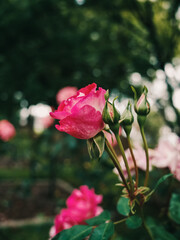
7, 130
85, 202
167, 154
81, 115
164, 154
52, 232
140, 157
82, 204
65, 93
66, 219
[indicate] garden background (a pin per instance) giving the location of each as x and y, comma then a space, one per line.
46, 45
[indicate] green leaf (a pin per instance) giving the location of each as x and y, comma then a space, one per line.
103, 232
77, 232
103, 217
174, 208
123, 206
162, 179
134, 222
158, 231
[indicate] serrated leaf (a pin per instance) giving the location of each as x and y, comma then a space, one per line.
78, 232
103, 217
123, 206
103, 232
134, 222
174, 208
162, 179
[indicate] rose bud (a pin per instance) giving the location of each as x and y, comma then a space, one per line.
110, 114
127, 119
141, 106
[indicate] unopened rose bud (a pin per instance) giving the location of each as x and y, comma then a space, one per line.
127, 119
110, 114
141, 105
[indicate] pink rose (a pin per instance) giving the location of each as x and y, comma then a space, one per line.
85, 203
52, 232
66, 219
167, 154
81, 114
82, 204
7, 130
164, 154
65, 93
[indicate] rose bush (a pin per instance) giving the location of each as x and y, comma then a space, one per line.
7, 130
82, 204
81, 114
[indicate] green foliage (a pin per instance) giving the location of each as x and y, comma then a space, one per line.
174, 208
134, 222
123, 206
162, 179
77, 232
35, 232
159, 232
47, 45
103, 217
103, 231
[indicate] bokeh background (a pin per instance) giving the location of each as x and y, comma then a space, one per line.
46, 45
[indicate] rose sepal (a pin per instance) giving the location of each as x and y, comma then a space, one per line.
96, 146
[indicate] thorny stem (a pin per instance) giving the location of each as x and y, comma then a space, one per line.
147, 156
134, 160
113, 156
125, 161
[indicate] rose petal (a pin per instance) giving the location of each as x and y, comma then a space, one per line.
82, 124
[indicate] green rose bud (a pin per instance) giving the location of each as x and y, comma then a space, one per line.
141, 105
110, 114
127, 119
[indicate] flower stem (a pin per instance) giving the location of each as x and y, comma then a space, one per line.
114, 158
147, 156
120, 221
145, 226
134, 160
125, 161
